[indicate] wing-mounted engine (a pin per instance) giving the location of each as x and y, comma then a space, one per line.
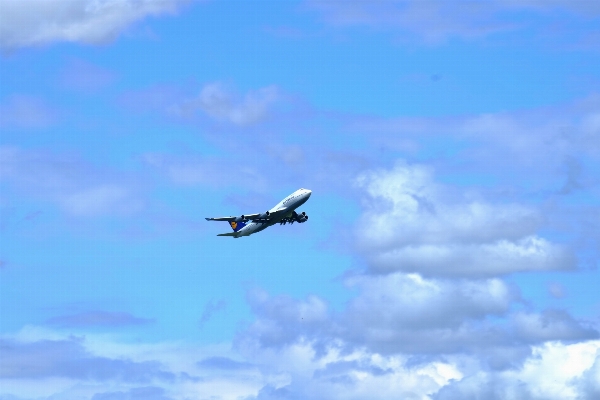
295, 217
264, 215
302, 217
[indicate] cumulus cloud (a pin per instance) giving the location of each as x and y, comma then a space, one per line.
40, 22
77, 187
588, 383
415, 224
554, 371
407, 336
106, 369
407, 314
357, 375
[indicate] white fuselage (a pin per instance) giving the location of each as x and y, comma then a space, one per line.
282, 210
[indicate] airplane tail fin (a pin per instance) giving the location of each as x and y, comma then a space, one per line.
236, 226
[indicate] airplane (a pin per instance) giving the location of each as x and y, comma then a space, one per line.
284, 212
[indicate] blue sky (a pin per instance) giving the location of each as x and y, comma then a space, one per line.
453, 246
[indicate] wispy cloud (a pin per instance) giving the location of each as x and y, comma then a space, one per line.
208, 171
216, 103
86, 77
210, 309
436, 21
224, 105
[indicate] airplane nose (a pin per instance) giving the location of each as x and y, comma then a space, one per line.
308, 192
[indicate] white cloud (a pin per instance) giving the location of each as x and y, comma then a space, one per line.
100, 364
555, 371
407, 314
415, 224
38, 22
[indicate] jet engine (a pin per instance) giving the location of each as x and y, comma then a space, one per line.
264, 215
302, 217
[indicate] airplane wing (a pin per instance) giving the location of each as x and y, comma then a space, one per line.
252, 217
246, 217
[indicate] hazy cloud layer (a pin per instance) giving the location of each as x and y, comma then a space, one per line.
86, 77
26, 112
69, 359
39, 22
545, 148
206, 171
77, 187
91, 319
436, 21
141, 393
224, 363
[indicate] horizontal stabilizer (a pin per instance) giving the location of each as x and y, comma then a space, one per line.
222, 219
228, 234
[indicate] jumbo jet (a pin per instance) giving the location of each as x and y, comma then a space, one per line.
284, 212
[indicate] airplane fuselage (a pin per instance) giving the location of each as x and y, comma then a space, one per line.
290, 203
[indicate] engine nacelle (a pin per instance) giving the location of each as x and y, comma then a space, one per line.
264, 215
302, 217
240, 219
